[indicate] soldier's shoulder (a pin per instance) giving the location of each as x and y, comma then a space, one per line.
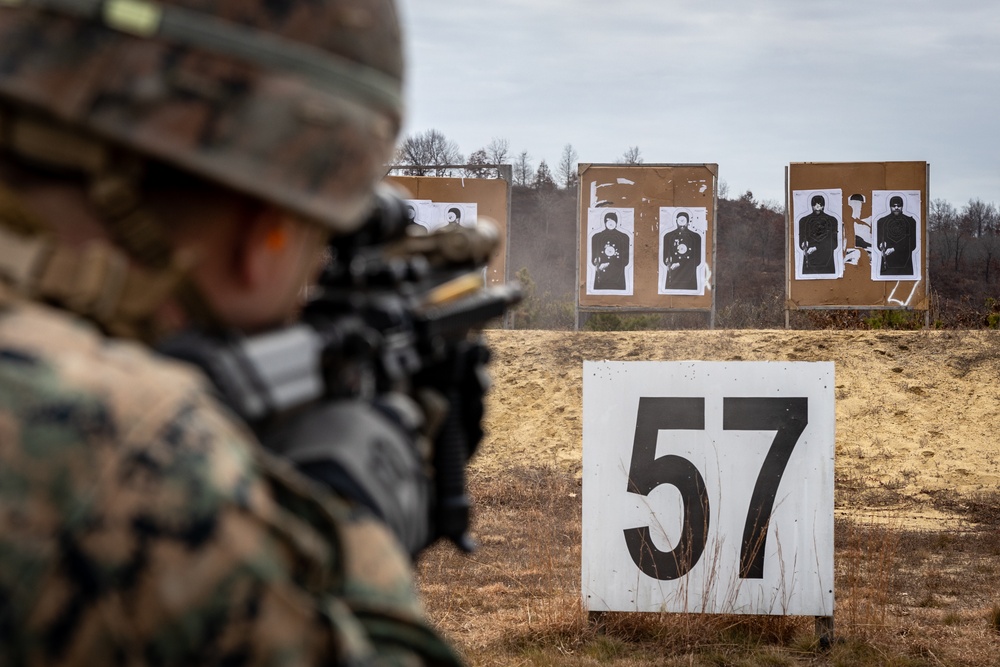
100, 410
115, 447
73, 347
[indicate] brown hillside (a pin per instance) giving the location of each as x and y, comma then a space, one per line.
917, 411
916, 496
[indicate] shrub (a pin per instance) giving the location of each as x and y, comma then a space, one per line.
540, 311
617, 322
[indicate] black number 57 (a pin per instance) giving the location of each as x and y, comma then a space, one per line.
787, 416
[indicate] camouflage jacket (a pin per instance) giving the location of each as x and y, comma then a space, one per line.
140, 525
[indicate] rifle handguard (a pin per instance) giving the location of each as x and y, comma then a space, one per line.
452, 246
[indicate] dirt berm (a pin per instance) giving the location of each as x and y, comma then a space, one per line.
917, 411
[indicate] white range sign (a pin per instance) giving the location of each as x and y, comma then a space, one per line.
708, 487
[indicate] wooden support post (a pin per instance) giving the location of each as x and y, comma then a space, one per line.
824, 630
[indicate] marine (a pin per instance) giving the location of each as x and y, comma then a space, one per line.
166, 165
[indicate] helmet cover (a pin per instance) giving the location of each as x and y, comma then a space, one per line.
295, 102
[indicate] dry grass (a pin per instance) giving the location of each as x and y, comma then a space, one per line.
904, 598
917, 549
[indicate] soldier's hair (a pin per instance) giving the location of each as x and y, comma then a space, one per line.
896, 200
457, 211
686, 215
611, 215
818, 199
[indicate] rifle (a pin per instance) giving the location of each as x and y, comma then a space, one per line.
396, 312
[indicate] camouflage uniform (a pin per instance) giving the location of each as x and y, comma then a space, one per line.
140, 525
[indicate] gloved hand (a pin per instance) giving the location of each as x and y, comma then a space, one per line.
372, 453
459, 385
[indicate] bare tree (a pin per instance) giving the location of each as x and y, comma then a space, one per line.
951, 232
524, 173
988, 251
982, 217
498, 151
982, 220
750, 277
425, 151
631, 156
941, 215
567, 172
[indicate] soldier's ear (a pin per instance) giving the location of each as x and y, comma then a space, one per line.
263, 244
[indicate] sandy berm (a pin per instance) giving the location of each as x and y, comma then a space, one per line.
917, 412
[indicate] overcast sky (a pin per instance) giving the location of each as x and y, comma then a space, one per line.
751, 86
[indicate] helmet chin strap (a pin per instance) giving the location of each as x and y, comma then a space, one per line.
121, 285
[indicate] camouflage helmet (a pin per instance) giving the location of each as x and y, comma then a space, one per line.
295, 102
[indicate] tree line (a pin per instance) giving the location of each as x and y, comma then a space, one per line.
963, 249
431, 153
